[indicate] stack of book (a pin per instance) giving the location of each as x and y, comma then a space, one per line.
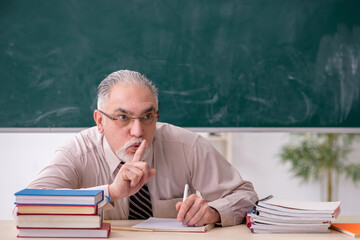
60, 213
277, 215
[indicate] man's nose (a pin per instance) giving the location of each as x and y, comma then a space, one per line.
136, 129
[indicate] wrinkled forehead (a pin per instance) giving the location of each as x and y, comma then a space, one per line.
132, 98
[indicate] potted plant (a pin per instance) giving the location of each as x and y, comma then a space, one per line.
313, 155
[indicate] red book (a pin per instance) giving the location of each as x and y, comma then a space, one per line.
248, 221
102, 232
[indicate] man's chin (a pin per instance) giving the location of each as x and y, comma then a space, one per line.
129, 157
130, 151
126, 157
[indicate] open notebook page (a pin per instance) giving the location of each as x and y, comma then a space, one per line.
169, 225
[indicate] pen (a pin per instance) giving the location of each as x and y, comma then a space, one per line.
186, 192
264, 199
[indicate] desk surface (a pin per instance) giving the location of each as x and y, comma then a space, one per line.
8, 231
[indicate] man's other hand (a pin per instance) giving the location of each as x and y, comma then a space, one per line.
194, 211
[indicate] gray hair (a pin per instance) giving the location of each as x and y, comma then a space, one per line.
123, 77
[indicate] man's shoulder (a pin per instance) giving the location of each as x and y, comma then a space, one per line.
90, 133
86, 140
166, 132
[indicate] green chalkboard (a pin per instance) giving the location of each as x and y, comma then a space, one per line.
240, 63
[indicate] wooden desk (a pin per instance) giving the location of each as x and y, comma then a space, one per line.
8, 231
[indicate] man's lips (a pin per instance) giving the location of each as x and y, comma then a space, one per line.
135, 146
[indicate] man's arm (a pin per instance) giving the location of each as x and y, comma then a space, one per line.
221, 186
60, 172
66, 171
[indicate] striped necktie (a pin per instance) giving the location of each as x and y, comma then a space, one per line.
140, 204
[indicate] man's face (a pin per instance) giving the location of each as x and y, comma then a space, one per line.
133, 101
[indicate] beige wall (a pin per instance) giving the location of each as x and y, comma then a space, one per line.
253, 154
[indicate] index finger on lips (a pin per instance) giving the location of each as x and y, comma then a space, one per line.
139, 152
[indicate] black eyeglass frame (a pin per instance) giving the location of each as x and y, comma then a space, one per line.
157, 115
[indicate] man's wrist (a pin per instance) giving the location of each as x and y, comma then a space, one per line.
111, 193
216, 214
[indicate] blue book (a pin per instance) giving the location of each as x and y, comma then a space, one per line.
59, 197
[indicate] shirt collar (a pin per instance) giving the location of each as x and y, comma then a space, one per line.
110, 157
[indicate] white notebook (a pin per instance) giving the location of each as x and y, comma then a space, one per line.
169, 225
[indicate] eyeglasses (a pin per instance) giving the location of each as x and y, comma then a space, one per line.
124, 119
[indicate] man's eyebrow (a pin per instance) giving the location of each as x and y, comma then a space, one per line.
123, 111
149, 109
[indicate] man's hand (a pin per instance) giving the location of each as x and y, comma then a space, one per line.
132, 176
194, 211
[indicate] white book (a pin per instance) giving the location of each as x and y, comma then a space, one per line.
259, 219
289, 230
266, 228
276, 217
59, 221
300, 206
266, 211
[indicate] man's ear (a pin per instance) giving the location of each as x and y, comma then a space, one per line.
98, 117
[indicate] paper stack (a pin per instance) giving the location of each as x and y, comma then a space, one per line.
60, 213
277, 215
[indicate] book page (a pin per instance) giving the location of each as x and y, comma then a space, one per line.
305, 205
